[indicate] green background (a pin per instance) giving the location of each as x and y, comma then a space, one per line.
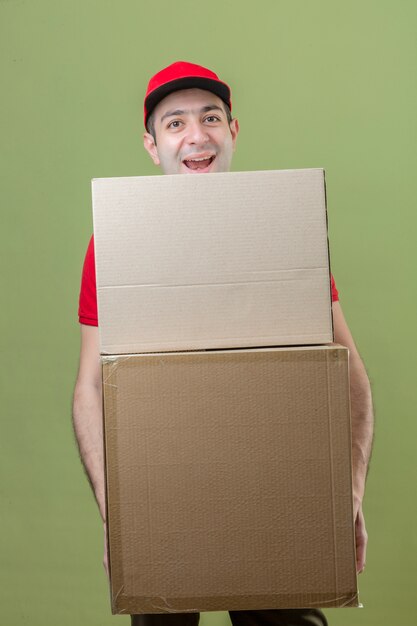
315, 84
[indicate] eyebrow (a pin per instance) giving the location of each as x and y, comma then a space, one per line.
205, 109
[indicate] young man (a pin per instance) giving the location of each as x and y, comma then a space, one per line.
190, 130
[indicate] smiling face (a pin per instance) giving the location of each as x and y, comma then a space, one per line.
193, 134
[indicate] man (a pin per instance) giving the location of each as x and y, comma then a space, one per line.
190, 130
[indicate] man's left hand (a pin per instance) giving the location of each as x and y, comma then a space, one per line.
361, 537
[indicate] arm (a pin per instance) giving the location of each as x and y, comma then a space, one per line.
88, 413
362, 426
361, 406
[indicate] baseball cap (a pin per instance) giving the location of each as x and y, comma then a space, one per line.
183, 75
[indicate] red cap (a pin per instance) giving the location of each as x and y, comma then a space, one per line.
183, 75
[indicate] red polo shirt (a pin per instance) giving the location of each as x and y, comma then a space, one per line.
87, 310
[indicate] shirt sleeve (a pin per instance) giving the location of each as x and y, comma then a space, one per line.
87, 309
335, 293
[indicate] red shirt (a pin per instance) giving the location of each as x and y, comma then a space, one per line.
87, 310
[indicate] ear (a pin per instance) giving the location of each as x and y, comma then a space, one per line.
150, 147
234, 129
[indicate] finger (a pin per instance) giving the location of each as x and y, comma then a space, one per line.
360, 553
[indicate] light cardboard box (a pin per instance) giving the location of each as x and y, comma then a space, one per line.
229, 480
226, 260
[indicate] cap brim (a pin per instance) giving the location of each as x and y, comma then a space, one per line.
218, 88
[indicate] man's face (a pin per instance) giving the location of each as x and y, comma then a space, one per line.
193, 135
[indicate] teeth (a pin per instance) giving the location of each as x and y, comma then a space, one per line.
202, 159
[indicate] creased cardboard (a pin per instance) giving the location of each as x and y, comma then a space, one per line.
235, 259
229, 480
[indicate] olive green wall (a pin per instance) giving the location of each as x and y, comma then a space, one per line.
315, 84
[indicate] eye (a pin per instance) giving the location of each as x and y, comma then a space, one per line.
212, 118
174, 124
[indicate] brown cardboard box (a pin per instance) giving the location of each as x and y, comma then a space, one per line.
229, 480
226, 260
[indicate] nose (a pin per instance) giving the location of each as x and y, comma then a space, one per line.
197, 133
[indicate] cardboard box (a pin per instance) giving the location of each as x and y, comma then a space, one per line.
225, 260
229, 480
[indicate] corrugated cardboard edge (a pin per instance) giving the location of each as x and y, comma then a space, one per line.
237, 343
328, 252
342, 354
108, 364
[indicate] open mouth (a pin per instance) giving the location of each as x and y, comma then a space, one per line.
199, 164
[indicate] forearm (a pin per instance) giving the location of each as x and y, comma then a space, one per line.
88, 427
362, 425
